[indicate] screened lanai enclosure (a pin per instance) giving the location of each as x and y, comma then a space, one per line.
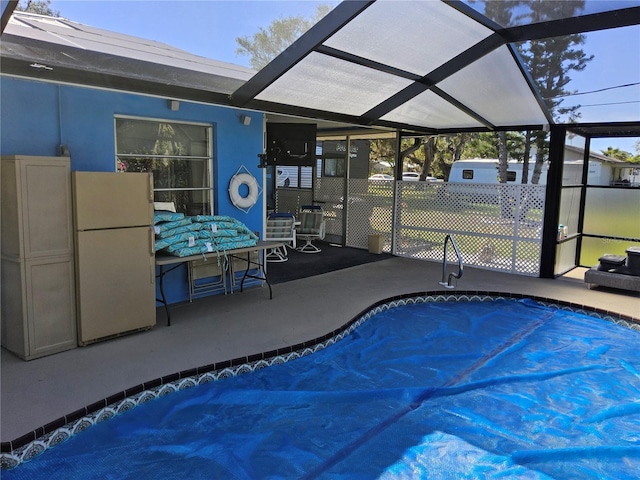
413, 217
497, 226
470, 68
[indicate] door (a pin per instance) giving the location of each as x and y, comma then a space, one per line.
330, 188
115, 282
112, 200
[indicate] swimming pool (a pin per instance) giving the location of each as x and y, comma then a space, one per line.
472, 388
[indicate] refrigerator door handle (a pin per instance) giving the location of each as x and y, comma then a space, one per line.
150, 187
152, 270
152, 242
152, 256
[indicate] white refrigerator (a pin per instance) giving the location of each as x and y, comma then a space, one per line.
115, 258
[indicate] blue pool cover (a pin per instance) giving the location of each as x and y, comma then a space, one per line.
447, 390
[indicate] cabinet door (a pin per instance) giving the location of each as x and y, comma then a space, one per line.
14, 331
50, 295
46, 207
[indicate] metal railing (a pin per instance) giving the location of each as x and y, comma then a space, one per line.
449, 239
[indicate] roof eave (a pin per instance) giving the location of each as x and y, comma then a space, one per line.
87, 78
44, 61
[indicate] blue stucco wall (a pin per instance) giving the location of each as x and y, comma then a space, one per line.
37, 117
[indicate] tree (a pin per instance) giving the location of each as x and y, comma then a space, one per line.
482, 145
434, 154
430, 148
502, 13
617, 153
420, 151
550, 61
267, 44
408, 151
41, 7
383, 150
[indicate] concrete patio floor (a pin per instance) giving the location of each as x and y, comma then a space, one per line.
224, 327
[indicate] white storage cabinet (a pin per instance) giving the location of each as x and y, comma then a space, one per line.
38, 279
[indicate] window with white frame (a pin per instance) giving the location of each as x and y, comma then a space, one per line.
178, 154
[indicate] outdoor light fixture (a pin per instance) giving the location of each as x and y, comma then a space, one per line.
245, 120
174, 105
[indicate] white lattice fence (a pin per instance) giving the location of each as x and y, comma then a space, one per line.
369, 211
289, 200
328, 193
498, 227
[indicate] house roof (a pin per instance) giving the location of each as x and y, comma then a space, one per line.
64, 50
421, 66
597, 156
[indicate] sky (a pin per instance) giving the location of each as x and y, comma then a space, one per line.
210, 27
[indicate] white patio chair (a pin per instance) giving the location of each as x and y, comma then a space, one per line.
280, 228
312, 227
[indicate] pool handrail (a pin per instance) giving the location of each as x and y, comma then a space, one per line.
449, 239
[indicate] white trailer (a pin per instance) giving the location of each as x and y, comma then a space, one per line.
484, 170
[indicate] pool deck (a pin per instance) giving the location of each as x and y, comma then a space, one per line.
224, 327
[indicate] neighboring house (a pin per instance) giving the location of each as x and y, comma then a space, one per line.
603, 170
98, 94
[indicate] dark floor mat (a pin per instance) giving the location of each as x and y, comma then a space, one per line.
331, 258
